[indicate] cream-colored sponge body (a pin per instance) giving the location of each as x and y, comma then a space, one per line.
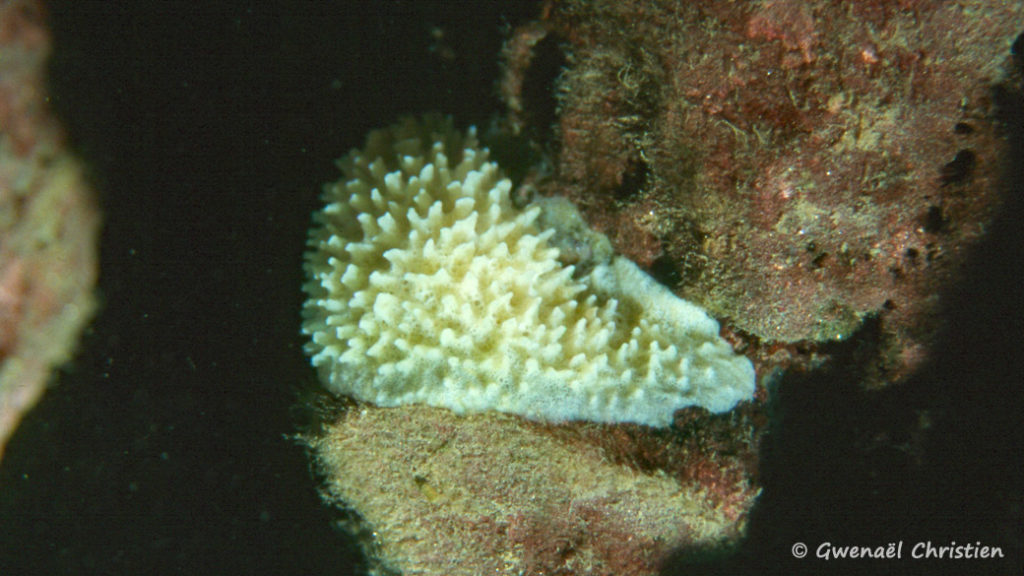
426, 285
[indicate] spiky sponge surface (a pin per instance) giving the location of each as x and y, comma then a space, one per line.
427, 286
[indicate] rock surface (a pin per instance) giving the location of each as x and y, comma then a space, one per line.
793, 167
437, 493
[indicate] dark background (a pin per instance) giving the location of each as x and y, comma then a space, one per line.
209, 129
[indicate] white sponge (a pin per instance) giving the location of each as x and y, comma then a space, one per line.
427, 286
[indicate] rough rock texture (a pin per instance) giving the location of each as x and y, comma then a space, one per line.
48, 224
793, 167
451, 495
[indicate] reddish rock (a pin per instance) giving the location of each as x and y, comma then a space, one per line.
794, 167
